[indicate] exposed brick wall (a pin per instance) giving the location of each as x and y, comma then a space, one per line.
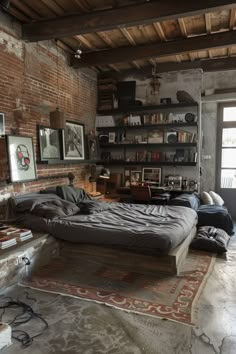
33, 77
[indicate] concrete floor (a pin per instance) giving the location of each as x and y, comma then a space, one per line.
77, 326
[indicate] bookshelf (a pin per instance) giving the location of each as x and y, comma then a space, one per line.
162, 135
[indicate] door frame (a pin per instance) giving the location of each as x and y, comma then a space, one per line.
220, 126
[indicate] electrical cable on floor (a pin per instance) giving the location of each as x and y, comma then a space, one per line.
25, 316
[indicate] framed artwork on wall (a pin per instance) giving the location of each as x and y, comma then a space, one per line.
152, 175
21, 158
73, 141
2, 124
49, 143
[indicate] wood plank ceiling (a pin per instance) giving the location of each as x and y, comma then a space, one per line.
181, 32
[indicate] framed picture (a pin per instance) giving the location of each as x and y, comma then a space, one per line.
152, 175
73, 141
112, 137
135, 177
21, 158
2, 124
49, 143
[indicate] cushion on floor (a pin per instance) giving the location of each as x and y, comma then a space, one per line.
211, 239
217, 216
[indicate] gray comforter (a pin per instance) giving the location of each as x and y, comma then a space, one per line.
146, 228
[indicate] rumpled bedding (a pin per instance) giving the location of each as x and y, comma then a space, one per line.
146, 228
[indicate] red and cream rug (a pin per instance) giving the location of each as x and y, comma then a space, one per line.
154, 294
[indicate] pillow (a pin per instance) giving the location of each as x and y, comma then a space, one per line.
217, 200
55, 209
188, 200
206, 198
210, 239
217, 216
72, 194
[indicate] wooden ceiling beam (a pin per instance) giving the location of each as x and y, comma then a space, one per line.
132, 15
159, 49
207, 65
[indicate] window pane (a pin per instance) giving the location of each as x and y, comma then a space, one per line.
229, 137
229, 114
228, 158
228, 178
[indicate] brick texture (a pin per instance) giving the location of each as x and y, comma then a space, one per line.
34, 77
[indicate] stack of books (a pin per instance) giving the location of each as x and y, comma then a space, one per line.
9, 236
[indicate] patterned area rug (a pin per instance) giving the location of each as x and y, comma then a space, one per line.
155, 294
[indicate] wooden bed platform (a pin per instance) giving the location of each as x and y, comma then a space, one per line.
170, 263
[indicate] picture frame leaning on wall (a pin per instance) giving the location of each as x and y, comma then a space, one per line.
73, 141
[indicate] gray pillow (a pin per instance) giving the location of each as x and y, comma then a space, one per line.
210, 239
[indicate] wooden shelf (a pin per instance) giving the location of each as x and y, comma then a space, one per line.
148, 145
146, 163
147, 126
146, 109
65, 162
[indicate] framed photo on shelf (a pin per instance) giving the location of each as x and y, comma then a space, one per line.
112, 137
152, 175
73, 141
135, 177
2, 124
21, 158
49, 143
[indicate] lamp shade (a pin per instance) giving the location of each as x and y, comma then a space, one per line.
57, 119
105, 173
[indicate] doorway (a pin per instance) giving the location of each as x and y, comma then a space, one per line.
226, 155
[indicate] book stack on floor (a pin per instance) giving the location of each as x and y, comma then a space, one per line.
9, 236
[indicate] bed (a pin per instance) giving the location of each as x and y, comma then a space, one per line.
161, 232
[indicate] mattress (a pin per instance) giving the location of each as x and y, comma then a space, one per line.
145, 228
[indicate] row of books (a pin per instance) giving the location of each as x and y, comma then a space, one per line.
186, 137
10, 236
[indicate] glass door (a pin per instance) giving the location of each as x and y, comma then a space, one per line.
226, 157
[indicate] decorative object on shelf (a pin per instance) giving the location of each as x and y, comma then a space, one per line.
155, 137
105, 173
166, 100
135, 177
189, 117
92, 146
49, 143
134, 120
179, 155
21, 158
73, 141
174, 182
71, 178
171, 137
105, 121
112, 137
57, 118
184, 97
2, 124
152, 175
103, 139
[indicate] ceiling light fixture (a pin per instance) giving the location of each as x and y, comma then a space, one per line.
78, 54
